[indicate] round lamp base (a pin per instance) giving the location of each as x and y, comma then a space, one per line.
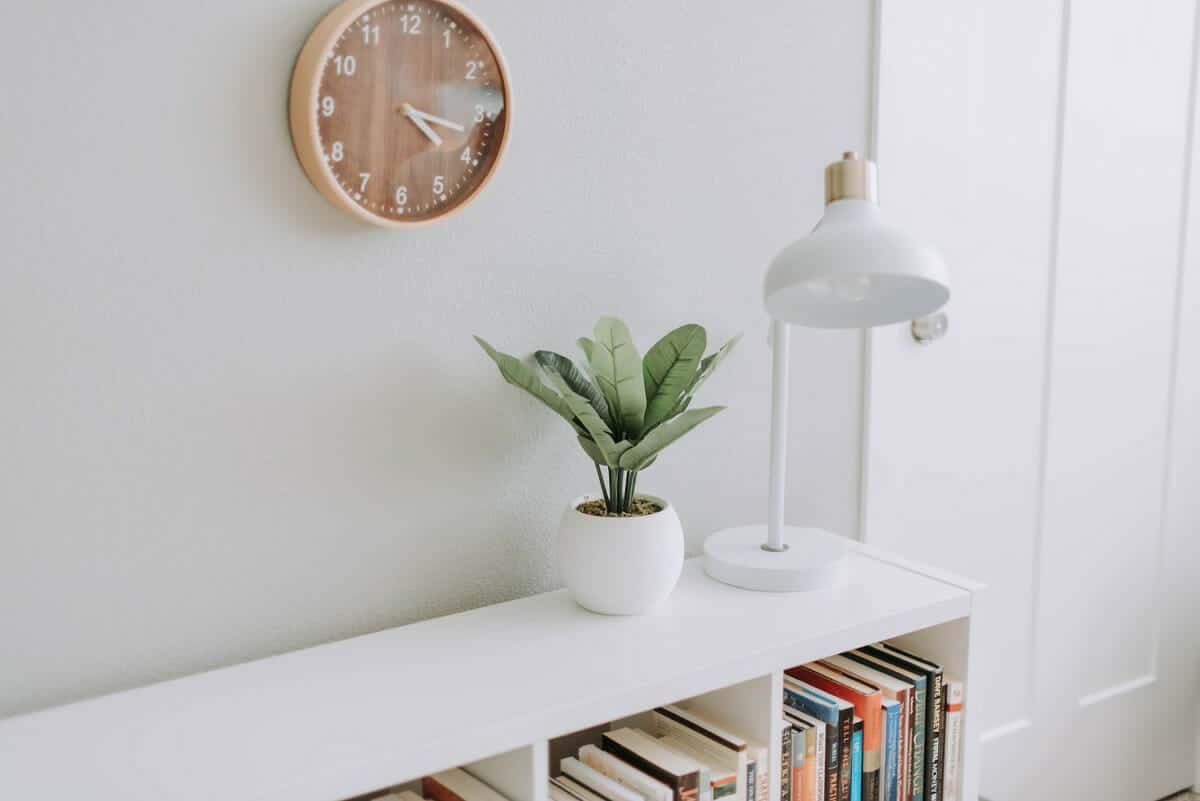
815, 559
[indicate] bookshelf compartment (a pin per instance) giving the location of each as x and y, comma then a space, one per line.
518, 775
748, 709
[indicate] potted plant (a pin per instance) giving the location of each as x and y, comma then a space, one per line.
621, 552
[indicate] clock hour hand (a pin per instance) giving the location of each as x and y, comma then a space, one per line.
454, 126
416, 120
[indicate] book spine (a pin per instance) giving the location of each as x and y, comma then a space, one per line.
434, 790
785, 765
950, 766
891, 755
936, 706
845, 735
752, 780
764, 776
833, 762
822, 763
686, 787
918, 740
856, 762
799, 762
904, 792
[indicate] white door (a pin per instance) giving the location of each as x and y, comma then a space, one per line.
1050, 444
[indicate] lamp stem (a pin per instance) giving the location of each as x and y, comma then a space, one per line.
779, 416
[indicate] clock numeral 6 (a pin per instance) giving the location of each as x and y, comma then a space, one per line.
401, 195
473, 69
337, 152
439, 184
346, 65
327, 106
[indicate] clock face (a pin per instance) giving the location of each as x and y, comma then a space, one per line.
408, 110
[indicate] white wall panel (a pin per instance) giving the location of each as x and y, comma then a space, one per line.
955, 427
1049, 444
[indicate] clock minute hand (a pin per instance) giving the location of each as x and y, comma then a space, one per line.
415, 117
454, 126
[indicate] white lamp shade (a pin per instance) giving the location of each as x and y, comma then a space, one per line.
855, 271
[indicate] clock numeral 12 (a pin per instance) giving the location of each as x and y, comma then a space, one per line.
410, 23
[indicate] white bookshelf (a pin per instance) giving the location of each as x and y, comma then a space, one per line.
490, 690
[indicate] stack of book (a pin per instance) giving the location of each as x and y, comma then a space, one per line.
449, 785
874, 724
683, 757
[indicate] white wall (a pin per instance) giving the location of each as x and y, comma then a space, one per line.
235, 422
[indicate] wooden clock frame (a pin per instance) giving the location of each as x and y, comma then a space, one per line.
304, 97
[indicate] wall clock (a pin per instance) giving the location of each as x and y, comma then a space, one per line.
400, 110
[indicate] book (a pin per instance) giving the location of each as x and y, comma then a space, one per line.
801, 733
834, 712
646, 754
894, 688
952, 765
889, 787
726, 749
762, 775
576, 790
597, 782
457, 785
885, 663
935, 719
400, 795
785, 760
814, 779
722, 778
867, 700
626, 775
856, 760
557, 792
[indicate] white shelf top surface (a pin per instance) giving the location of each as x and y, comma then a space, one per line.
336, 720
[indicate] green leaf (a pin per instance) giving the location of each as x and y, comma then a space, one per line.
517, 374
708, 366
618, 370
575, 380
639, 456
591, 449
609, 451
668, 370
587, 346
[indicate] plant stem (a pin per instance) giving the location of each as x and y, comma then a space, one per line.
603, 489
620, 494
632, 489
610, 503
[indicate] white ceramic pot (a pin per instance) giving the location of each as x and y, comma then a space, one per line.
620, 565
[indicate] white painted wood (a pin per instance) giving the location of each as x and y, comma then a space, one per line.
753, 709
518, 774
1035, 447
342, 719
